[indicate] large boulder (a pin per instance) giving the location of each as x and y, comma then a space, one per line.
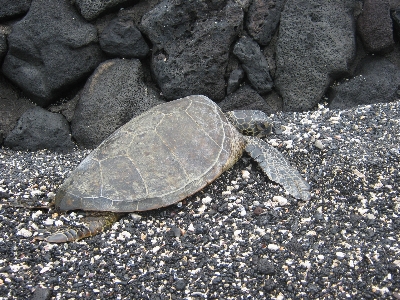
91, 9
376, 80
191, 43
51, 49
12, 106
113, 95
121, 38
13, 8
316, 44
40, 129
263, 19
247, 98
254, 64
375, 26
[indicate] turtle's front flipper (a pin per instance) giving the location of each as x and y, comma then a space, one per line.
277, 168
93, 225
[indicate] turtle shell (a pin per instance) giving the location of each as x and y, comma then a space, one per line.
155, 160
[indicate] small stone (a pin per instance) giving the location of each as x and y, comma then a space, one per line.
58, 223
45, 269
206, 200
24, 232
340, 255
258, 211
242, 211
319, 144
265, 267
273, 247
245, 174
135, 217
180, 284
41, 293
191, 228
282, 201
124, 235
48, 222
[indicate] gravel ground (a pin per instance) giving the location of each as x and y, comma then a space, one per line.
240, 238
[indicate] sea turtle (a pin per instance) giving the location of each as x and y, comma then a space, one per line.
165, 155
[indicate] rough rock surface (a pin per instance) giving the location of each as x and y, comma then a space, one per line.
50, 49
263, 18
12, 8
247, 98
113, 95
396, 21
90, 9
377, 80
40, 129
375, 26
254, 64
67, 109
316, 42
12, 106
191, 43
235, 78
3, 46
122, 39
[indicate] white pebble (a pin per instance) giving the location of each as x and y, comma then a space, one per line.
191, 227
245, 174
45, 269
201, 209
135, 217
124, 235
36, 193
36, 214
282, 201
289, 144
320, 257
319, 144
24, 232
340, 255
59, 223
206, 200
273, 247
48, 222
242, 211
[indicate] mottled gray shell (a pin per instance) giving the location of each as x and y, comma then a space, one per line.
155, 160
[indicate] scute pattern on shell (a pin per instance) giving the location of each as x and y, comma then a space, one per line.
155, 160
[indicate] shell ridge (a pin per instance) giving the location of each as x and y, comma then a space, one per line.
140, 174
173, 154
202, 129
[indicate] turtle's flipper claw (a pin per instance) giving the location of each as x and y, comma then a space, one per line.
93, 225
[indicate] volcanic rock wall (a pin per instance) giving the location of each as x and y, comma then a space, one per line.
74, 71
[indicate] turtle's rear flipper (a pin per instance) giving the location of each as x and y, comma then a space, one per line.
93, 225
277, 168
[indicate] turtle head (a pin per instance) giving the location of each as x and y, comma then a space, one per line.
251, 122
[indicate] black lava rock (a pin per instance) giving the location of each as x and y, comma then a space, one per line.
254, 64
121, 38
48, 53
39, 129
